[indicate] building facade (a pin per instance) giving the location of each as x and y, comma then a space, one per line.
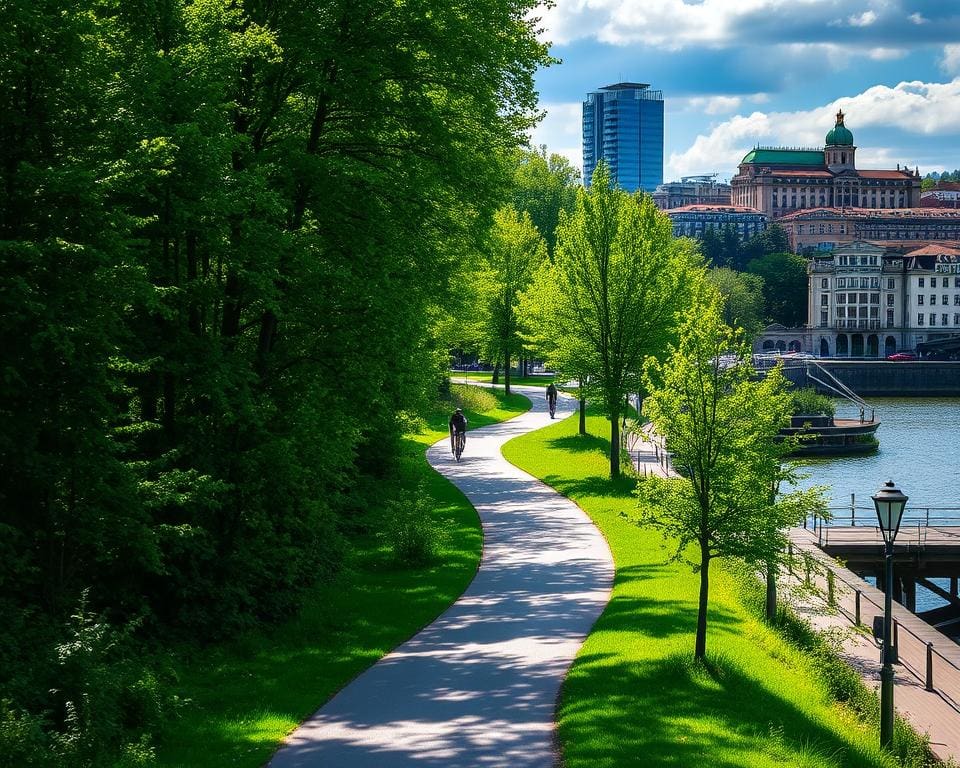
822, 229
866, 301
623, 126
781, 181
692, 190
694, 220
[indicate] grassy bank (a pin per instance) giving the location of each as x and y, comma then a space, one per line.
486, 377
634, 697
246, 695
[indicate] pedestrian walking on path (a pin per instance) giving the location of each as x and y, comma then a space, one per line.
479, 685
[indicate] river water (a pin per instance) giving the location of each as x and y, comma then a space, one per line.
919, 451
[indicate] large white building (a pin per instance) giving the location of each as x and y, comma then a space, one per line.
865, 301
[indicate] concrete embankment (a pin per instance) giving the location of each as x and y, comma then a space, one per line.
887, 378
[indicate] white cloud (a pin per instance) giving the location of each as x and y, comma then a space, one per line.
715, 105
923, 109
671, 24
950, 63
886, 54
918, 18
561, 131
864, 19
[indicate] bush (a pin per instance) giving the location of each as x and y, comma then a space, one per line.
413, 534
809, 402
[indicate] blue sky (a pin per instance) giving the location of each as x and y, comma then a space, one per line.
738, 73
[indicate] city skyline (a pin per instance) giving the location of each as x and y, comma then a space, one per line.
764, 72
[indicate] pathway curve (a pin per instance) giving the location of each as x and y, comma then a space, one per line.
478, 686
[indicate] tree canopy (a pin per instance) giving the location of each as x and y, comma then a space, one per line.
721, 426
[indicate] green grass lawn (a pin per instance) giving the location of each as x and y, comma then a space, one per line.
244, 696
486, 377
634, 697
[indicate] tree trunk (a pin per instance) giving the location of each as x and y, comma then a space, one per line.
583, 411
614, 445
700, 649
496, 373
771, 592
506, 371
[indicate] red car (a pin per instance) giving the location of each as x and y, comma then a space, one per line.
902, 356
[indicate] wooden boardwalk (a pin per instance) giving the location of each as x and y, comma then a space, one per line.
927, 677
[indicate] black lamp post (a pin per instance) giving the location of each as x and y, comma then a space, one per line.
889, 502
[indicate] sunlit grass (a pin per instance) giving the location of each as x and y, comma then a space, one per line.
634, 696
486, 377
246, 695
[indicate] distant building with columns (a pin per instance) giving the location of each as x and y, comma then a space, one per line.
779, 181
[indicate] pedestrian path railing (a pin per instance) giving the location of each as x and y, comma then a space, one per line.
918, 526
931, 657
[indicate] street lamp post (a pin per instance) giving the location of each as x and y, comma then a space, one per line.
889, 503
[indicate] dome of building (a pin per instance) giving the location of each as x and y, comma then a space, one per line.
839, 135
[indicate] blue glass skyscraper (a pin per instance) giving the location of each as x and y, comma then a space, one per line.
623, 125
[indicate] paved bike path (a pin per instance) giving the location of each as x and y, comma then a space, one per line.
478, 686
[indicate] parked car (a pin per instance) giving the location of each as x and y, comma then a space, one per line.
902, 356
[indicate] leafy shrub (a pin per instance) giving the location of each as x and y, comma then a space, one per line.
412, 532
475, 399
809, 402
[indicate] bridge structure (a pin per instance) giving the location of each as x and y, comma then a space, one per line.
839, 556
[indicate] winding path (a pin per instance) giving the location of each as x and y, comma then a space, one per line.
478, 686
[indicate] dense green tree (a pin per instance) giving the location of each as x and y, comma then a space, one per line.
711, 246
721, 426
742, 299
784, 287
543, 186
514, 251
621, 278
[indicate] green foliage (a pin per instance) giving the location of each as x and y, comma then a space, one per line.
414, 535
722, 428
742, 296
784, 287
806, 400
225, 232
543, 187
609, 299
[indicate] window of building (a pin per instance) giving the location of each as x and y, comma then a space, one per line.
933, 282
944, 299
891, 283
864, 282
874, 298
874, 282
933, 319
841, 282
841, 311
956, 282
824, 283
956, 299
823, 318
920, 282
841, 298
824, 300
933, 299
889, 299
889, 318
920, 300
943, 319
956, 318
874, 313
920, 319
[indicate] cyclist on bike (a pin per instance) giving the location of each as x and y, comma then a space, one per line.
552, 398
458, 427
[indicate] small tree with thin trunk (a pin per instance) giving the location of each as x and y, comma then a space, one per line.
721, 426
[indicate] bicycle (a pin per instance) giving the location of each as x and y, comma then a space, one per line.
458, 441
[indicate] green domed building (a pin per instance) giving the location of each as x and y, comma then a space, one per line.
783, 180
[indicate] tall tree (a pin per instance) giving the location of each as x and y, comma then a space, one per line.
514, 251
621, 279
721, 427
785, 287
742, 298
543, 186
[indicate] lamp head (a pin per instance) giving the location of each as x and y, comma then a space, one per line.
889, 503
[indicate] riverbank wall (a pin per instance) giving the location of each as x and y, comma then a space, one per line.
886, 378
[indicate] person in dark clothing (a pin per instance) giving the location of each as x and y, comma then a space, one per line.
552, 398
458, 428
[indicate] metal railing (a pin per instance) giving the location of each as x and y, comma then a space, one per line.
915, 526
845, 594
